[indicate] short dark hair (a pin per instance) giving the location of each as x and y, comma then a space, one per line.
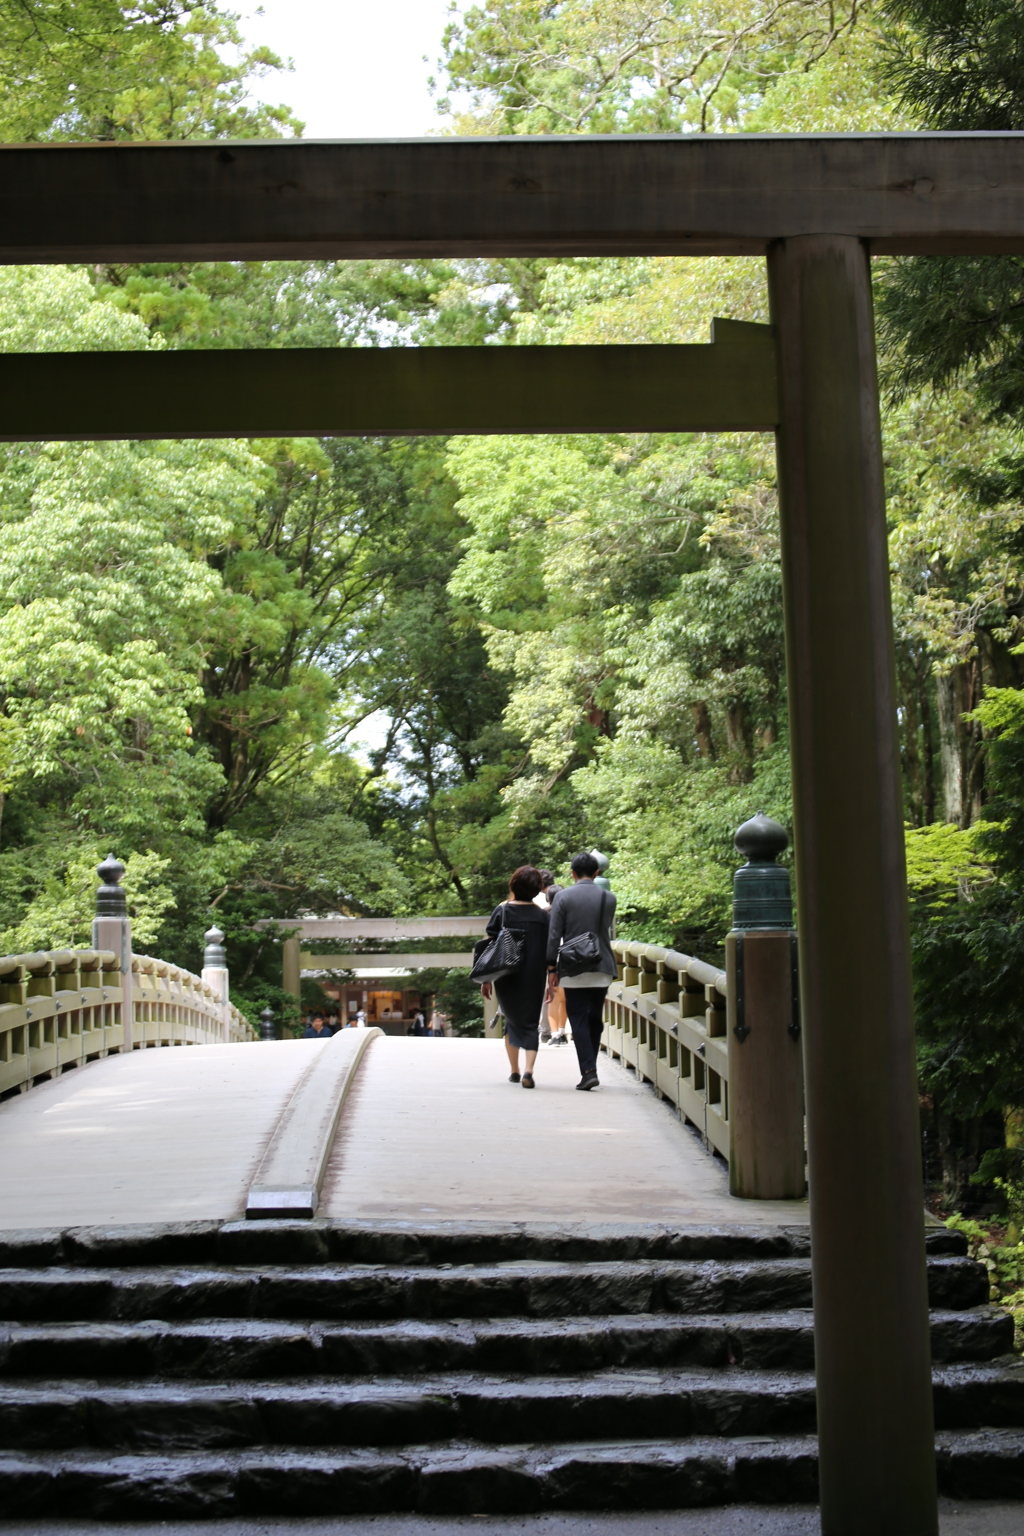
585, 864
546, 879
525, 882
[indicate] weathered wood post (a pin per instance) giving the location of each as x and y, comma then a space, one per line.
875, 1421
112, 929
766, 1081
215, 974
291, 966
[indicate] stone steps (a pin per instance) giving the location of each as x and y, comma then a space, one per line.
472, 1291
250, 1369
392, 1411
207, 1349
659, 1473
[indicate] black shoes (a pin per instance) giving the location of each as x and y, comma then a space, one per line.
528, 1081
587, 1081
513, 1077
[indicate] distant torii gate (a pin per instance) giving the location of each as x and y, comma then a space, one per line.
352, 930
818, 207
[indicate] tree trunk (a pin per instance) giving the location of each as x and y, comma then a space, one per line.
702, 730
957, 692
737, 731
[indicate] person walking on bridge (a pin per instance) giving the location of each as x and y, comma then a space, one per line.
580, 925
553, 1016
521, 992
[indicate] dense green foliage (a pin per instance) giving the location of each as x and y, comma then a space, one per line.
951, 334
130, 69
373, 676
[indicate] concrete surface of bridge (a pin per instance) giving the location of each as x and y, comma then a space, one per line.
432, 1131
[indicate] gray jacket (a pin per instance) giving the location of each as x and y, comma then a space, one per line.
576, 910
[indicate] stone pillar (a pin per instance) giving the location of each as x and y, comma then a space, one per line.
215, 974
766, 1090
112, 929
875, 1418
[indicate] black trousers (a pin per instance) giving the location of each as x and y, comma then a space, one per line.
585, 1006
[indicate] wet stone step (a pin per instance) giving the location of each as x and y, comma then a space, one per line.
399, 1411
450, 1242
378, 1293
403, 1411
531, 1290
234, 1349
470, 1479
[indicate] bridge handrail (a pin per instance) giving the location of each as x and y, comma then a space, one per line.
63, 1007
175, 976
665, 1016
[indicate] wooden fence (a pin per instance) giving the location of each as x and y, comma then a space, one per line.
666, 1018
61, 1008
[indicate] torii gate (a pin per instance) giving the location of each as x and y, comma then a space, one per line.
817, 206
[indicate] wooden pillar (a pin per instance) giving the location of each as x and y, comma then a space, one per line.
766, 1098
291, 966
867, 1209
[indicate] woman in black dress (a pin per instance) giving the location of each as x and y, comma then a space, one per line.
521, 992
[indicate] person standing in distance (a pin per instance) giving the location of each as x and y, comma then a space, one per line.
582, 908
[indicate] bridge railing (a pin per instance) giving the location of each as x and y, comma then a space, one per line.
63, 1007
666, 1018
725, 1046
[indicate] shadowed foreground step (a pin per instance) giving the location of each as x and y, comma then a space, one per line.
638, 1374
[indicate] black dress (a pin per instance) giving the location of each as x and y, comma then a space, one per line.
521, 993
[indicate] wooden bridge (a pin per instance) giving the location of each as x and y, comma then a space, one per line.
368, 1274
117, 1131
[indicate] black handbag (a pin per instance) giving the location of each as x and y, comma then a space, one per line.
497, 957
583, 953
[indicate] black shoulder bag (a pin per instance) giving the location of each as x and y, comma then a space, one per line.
497, 957
583, 953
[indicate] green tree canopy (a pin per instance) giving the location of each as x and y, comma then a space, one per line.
135, 69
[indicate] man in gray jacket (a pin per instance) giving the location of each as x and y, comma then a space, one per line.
583, 908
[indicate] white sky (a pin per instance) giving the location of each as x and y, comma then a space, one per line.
359, 69
359, 73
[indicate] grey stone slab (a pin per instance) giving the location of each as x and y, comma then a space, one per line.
529, 1288
252, 1348
304, 1242
976, 1518
468, 1479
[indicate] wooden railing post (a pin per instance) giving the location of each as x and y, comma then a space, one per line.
215, 974
112, 929
766, 1099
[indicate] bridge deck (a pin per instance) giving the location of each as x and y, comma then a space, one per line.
431, 1131
434, 1130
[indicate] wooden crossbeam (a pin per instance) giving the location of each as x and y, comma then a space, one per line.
385, 962
384, 928
310, 392
540, 195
